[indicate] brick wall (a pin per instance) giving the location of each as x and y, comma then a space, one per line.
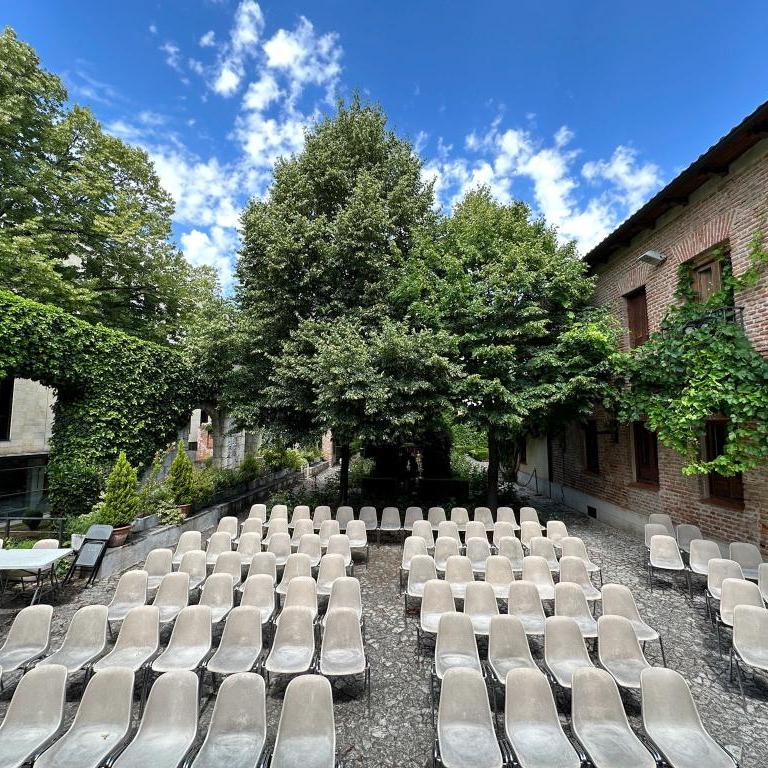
727, 210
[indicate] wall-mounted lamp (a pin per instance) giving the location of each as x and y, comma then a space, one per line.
654, 258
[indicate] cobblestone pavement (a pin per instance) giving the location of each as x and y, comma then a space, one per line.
398, 732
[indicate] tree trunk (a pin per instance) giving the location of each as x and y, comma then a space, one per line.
493, 469
344, 472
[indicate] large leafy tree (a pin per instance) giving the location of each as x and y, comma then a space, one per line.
328, 343
535, 353
84, 221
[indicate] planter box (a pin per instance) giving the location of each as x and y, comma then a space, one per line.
144, 523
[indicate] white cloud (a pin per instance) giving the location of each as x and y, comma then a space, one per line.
208, 40
172, 55
152, 29
261, 93
212, 248
243, 45
622, 169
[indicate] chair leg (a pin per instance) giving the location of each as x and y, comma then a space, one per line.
663, 655
690, 589
738, 677
719, 641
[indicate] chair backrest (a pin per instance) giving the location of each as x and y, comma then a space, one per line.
307, 710
298, 564
750, 628
249, 543
458, 570
570, 600
719, 569
423, 528
664, 551
300, 512
158, 562
739, 592
173, 590
171, 708
653, 529
701, 552
574, 569
437, 597
107, 701
88, 628
258, 511
478, 549
217, 591
140, 629
30, 629
506, 515
230, 562
596, 701
475, 530
498, 570
259, 591
617, 641
507, 639
573, 546
460, 516
686, 533
38, 701
342, 631
356, 531
745, 554
301, 527
327, 529
412, 546
556, 530
511, 548
445, 547
412, 514
188, 542
310, 545
345, 593
501, 529
331, 568
280, 544
661, 518
543, 547
619, 601
192, 628
221, 541
536, 569
338, 544
524, 600
321, 514
253, 525
302, 591
762, 580
529, 529
131, 589
436, 515
277, 525
390, 517
279, 510
369, 516
264, 563
344, 515
448, 528
229, 525
422, 570
529, 514
666, 701
46, 544
563, 640
456, 636
295, 627
529, 703
480, 599
483, 515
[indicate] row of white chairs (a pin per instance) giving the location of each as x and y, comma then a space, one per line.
102, 731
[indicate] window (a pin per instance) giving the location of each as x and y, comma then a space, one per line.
721, 487
637, 316
646, 454
6, 406
706, 274
591, 453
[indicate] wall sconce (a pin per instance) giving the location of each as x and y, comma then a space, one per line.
654, 258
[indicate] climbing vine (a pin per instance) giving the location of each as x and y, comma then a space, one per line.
702, 365
114, 393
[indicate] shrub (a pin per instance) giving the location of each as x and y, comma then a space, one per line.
181, 477
252, 467
121, 499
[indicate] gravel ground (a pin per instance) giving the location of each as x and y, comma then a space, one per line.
397, 731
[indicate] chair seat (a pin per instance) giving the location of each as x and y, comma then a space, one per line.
465, 744
430, 622
21, 741
754, 657
587, 626
233, 749
546, 591
538, 745
447, 661
132, 658
163, 748
17, 657
289, 659
533, 625
750, 574
500, 667
626, 672
501, 591
119, 611
305, 751
415, 590
563, 670
85, 747
169, 612
689, 748
185, 658
609, 744
481, 624
230, 660
219, 613
458, 589
662, 564
644, 632
342, 661
74, 659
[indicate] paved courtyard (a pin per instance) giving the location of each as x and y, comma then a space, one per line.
398, 730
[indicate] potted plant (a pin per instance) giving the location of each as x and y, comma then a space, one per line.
181, 480
120, 504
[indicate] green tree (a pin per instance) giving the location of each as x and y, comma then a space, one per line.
84, 221
181, 477
535, 354
121, 498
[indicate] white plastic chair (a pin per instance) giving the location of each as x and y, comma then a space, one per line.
499, 574
297, 565
685, 534
338, 544
137, 643
259, 592
217, 594
423, 529
370, 517
508, 647
293, 647
252, 525
556, 532
412, 514
263, 563
421, 571
460, 516
342, 653
748, 556
331, 568
735, 592
478, 551
27, 639
570, 601
228, 525
659, 518
412, 546
328, 528
190, 641
620, 652
762, 580
300, 512
475, 530
168, 726
507, 515
344, 515
511, 548
300, 528
536, 570
532, 725
436, 600
278, 525
172, 596
248, 545
619, 601
750, 641
237, 733
101, 725
310, 546
358, 538
465, 733
524, 602
718, 570
302, 593
229, 562
345, 593
672, 722
445, 547
564, 649
502, 529
240, 646
84, 642
665, 556
306, 736
529, 530
573, 546
455, 645
600, 723
701, 551
280, 546
436, 515
193, 563
574, 570
529, 514
458, 573
221, 541
485, 516
189, 541
157, 565
131, 592
480, 605
34, 716
390, 521
654, 529
322, 513
540, 546
448, 529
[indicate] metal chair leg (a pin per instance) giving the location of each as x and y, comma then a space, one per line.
663, 655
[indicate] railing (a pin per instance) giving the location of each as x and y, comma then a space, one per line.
36, 522
720, 315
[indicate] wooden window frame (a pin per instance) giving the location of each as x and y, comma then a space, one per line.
645, 445
712, 259
720, 488
591, 448
638, 332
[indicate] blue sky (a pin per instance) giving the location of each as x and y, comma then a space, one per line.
582, 109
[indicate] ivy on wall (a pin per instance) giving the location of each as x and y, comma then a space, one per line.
113, 392
702, 365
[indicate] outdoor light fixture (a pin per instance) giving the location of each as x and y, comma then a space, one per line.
654, 258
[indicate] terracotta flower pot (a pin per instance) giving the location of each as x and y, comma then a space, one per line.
119, 535
185, 509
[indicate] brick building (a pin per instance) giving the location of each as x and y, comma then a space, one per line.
619, 473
